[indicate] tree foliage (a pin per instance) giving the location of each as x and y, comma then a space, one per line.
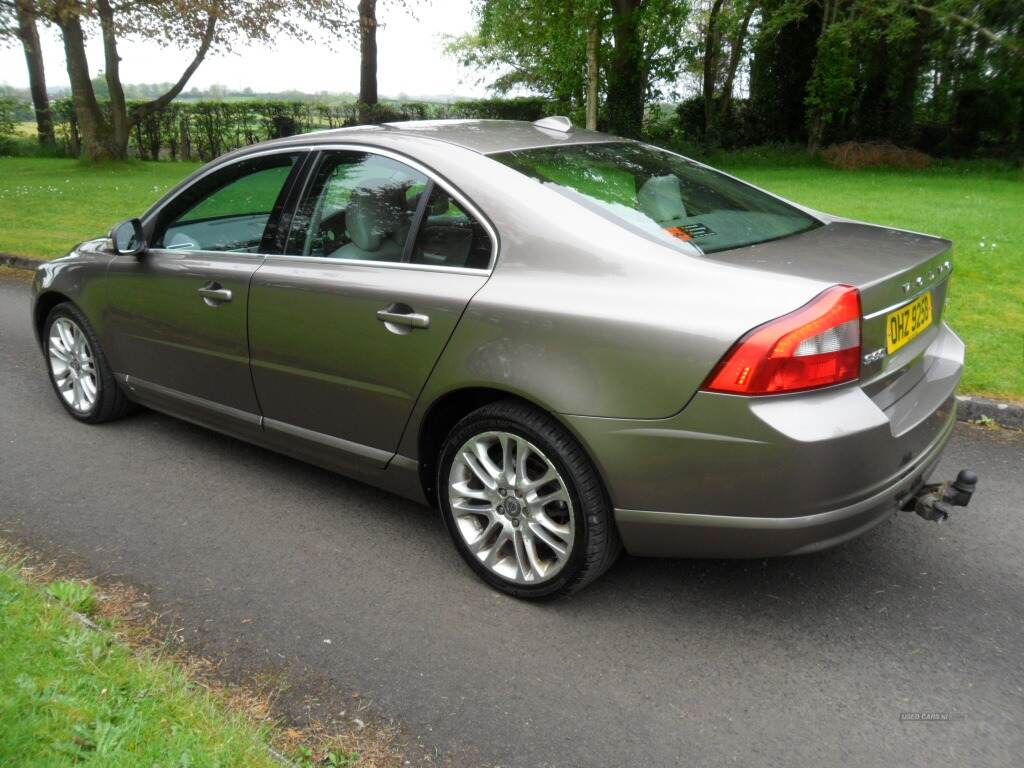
197, 25
541, 46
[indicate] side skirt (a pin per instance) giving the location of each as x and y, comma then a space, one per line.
390, 472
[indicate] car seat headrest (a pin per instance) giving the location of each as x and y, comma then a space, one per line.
661, 198
376, 210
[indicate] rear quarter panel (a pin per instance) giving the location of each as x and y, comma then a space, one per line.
583, 317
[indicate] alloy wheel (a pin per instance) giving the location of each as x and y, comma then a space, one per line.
511, 507
72, 365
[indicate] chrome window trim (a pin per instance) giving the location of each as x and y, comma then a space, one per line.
434, 176
201, 254
273, 257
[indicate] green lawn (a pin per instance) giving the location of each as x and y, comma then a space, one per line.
70, 695
47, 205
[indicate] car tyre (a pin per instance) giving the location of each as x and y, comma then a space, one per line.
78, 368
549, 451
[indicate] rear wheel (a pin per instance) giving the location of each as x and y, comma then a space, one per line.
78, 369
523, 503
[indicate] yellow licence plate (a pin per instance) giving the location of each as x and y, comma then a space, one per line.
907, 322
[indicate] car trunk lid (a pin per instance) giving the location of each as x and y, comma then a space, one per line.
892, 268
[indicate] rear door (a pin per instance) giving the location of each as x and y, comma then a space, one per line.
177, 313
346, 326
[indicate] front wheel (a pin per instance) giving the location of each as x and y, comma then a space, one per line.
523, 503
78, 369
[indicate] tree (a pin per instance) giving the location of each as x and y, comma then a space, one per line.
627, 70
783, 50
538, 45
18, 20
202, 25
725, 39
368, 52
366, 27
576, 51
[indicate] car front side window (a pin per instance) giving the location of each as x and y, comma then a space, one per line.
232, 209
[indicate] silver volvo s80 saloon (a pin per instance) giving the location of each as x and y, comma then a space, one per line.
567, 342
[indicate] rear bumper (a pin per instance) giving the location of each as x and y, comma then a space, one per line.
753, 477
680, 534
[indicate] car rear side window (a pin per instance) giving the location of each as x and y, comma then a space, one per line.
450, 236
661, 195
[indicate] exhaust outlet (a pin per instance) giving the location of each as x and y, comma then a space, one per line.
935, 501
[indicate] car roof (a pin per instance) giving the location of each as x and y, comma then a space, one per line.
483, 136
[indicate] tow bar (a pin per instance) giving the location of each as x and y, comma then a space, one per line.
935, 501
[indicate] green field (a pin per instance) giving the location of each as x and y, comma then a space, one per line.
47, 205
71, 695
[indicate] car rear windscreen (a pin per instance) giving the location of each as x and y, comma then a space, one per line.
661, 194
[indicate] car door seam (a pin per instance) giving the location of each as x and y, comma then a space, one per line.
437, 361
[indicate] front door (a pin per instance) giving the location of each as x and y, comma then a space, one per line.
346, 327
177, 313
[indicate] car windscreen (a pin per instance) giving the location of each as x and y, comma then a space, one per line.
661, 194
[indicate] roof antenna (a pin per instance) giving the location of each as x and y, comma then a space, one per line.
555, 123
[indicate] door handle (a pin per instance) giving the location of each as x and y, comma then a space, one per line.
398, 316
213, 294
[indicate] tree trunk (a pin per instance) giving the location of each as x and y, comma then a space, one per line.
712, 42
92, 127
900, 125
627, 81
28, 32
593, 45
367, 56
816, 127
735, 56
119, 126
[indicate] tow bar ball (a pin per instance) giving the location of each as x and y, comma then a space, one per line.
936, 501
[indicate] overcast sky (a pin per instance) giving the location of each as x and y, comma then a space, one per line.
411, 60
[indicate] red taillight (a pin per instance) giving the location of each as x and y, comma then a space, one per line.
815, 346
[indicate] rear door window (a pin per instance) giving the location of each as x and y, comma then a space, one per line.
368, 207
359, 205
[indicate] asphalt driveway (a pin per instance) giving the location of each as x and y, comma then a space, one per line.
799, 661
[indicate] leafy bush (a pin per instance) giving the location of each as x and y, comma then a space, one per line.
853, 155
530, 108
740, 128
8, 110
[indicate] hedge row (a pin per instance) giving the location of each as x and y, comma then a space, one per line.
202, 130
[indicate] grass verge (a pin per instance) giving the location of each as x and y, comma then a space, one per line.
85, 679
47, 205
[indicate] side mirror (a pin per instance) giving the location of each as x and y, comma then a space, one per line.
127, 238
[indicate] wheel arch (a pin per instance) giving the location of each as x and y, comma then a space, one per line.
44, 304
448, 409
